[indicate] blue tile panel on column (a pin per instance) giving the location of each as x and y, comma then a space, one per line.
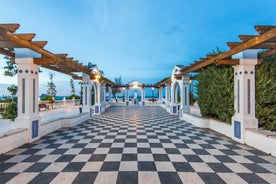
34, 129
237, 129
174, 109
96, 109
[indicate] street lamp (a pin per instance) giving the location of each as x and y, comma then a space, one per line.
152, 94
123, 94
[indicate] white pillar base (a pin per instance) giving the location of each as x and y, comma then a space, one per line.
174, 109
97, 109
240, 125
186, 108
32, 124
143, 103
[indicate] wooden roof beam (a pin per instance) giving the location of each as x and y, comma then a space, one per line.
40, 44
263, 28
10, 27
233, 44
202, 59
69, 59
258, 46
9, 44
7, 52
76, 77
25, 43
228, 62
250, 43
245, 38
28, 36
63, 56
45, 61
267, 53
209, 56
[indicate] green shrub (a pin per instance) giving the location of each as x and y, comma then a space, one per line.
215, 90
71, 97
10, 112
266, 94
192, 97
48, 98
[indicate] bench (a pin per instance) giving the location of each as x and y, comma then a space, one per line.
43, 106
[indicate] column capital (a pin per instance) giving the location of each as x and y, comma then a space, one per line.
186, 78
247, 57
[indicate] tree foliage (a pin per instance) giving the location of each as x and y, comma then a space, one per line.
10, 112
11, 68
215, 90
116, 89
266, 93
51, 86
73, 91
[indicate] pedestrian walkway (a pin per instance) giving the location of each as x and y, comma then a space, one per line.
136, 145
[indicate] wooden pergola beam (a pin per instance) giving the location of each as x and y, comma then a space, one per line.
263, 28
40, 44
259, 46
228, 62
10, 40
9, 44
267, 53
26, 36
10, 27
271, 33
108, 82
45, 61
63, 56
245, 38
162, 82
7, 52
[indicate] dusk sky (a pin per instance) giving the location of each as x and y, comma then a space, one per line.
135, 39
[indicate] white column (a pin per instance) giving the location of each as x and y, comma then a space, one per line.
244, 90
103, 91
86, 86
174, 103
143, 96
185, 95
109, 94
98, 93
103, 102
160, 92
27, 93
168, 89
127, 96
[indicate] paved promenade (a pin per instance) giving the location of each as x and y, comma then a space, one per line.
136, 145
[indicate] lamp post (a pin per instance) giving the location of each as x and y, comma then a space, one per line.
152, 89
123, 94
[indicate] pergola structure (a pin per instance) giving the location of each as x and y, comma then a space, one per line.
265, 40
29, 55
243, 56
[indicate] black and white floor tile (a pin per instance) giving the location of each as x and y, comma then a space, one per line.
136, 145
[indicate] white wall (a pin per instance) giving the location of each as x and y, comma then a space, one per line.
261, 140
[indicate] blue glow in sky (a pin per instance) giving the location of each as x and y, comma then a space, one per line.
136, 39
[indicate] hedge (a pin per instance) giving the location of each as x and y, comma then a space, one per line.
266, 94
215, 91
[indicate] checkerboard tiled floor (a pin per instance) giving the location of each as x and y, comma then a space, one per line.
136, 145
